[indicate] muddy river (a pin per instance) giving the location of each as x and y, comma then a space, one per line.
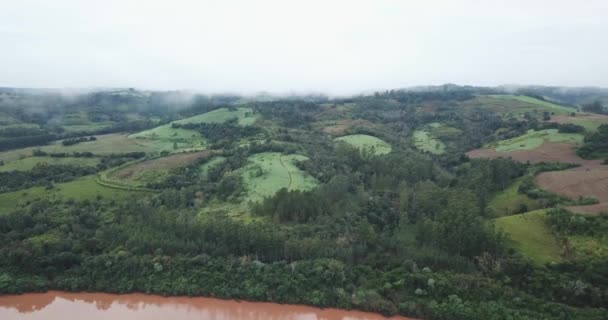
93, 306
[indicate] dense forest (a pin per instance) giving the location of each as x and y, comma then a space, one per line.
410, 230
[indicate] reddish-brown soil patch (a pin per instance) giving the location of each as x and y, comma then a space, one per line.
576, 183
340, 127
590, 179
547, 152
591, 209
164, 163
580, 117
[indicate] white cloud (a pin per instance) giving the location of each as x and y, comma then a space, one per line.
285, 46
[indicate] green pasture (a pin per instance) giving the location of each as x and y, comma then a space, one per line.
441, 131
205, 167
510, 201
512, 105
531, 237
27, 164
90, 127
544, 105
244, 116
166, 132
84, 188
9, 124
366, 142
534, 139
587, 247
268, 172
424, 140
105, 144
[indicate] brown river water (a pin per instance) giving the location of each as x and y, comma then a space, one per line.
56, 305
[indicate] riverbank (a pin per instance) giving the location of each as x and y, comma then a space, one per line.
54, 305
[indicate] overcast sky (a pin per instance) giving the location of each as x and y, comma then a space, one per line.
284, 46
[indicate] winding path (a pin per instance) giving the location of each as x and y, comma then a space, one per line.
288, 172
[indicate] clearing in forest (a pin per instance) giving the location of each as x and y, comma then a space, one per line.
425, 141
104, 145
546, 105
165, 137
534, 139
140, 174
27, 164
508, 104
244, 116
340, 127
268, 172
585, 181
510, 201
587, 120
366, 142
205, 167
531, 236
517, 106
547, 152
83, 188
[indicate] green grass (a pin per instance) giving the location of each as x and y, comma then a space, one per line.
105, 144
586, 247
268, 172
531, 237
84, 188
509, 201
19, 125
589, 125
365, 142
423, 140
444, 132
86, 127
545, 105
205, 167
191, 139
29, 163
166, 132
534, 139
511, 105
244, 116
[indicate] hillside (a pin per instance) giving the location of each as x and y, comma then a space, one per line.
433, 203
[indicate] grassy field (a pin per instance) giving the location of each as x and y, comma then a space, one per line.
586, 247
531, 236
204, 168
166, 135
534, 139
27, 164
441, 131
80, 189
269, 172
424, 140
87, 127
16, 125
589, 125
365, 142
141, 173
590, 122
545, 105
105, 144
166, 132
510, 201
244, 116
512, 105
